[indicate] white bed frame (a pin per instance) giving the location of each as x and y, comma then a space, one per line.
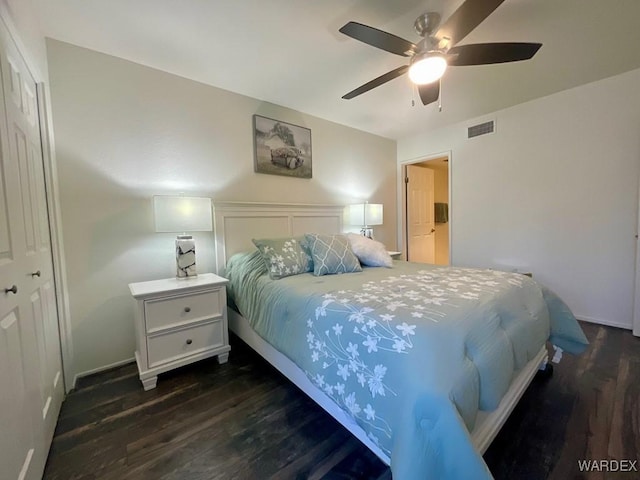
235, 224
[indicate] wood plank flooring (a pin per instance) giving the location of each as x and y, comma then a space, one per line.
244, 420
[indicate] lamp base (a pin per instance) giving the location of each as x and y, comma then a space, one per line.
367, 232
185, 257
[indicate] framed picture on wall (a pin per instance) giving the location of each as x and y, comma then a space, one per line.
281, 148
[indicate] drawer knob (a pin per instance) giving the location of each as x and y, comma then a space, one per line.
187, 309
13, 290
189, 341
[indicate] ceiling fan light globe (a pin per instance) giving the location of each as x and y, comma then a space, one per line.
427, 69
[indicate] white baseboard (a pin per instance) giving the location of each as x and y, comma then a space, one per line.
101, 369
609, 323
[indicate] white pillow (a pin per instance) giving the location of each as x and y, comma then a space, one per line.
369, 252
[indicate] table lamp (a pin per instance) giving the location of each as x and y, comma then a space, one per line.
365, 215
184, 215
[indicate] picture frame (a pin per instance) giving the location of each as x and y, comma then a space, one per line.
281, 148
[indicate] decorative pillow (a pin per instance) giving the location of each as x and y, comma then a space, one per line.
369, 252
284, 257
331, 254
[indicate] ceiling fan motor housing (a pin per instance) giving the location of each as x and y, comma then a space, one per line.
427, 23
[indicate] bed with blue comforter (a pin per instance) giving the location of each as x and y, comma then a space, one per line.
412, 352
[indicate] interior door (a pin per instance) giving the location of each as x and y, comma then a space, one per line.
16, 440
420, 214
28, 313
17, 443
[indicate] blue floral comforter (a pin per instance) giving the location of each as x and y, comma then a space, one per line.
412, 353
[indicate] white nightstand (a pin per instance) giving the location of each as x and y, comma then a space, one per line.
179, 321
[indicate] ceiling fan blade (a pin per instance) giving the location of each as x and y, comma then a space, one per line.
486, 53
429, 93
376, 82
467, 17
378, 38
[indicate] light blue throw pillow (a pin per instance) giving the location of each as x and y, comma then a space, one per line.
284, 257
331, 254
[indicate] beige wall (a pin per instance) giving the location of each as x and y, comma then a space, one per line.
125, 132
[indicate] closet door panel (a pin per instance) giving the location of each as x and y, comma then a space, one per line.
48, 353
19, 152
13, 81
16, 442
54, 375
6, 252
40, 203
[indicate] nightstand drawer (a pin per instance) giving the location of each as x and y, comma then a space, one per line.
178, 310
167, 347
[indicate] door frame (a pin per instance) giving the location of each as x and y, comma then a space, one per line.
55, 234
402, 198
636, 297
53, 199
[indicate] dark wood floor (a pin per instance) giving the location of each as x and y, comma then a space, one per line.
244, 420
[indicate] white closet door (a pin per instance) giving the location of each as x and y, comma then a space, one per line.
28, 318
17, 442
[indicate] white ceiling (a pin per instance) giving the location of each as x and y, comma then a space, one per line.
290, 52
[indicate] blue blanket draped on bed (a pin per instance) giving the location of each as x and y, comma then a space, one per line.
412, 353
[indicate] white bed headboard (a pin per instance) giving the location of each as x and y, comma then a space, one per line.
236, 223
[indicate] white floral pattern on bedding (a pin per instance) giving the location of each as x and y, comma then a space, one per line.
284, 257
374, 319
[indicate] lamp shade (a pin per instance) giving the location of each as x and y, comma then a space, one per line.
182, 214
365, 214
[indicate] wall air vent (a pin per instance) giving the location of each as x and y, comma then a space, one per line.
481, 129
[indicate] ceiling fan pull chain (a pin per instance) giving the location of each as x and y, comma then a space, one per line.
440, 96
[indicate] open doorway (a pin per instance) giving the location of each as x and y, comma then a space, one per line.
426, 210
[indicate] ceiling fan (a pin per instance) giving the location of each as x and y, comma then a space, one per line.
437, 50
